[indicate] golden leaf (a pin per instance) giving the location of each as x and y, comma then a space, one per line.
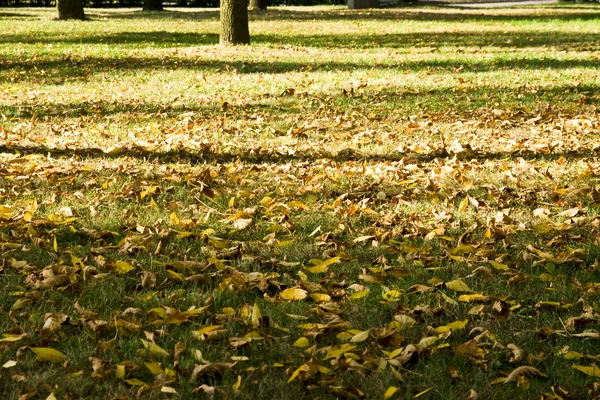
320, 297
497, 265
462, 250
453, 326
360, 294
592, 370
48, 354
390, 392
293, 294
154, 348
468, 298
458, 285
360, 337
123, 267
301, 342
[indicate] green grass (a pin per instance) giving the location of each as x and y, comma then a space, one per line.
416, 144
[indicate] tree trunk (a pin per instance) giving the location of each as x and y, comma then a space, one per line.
153, 5
70, 9
234, 22
182, 3
258, 5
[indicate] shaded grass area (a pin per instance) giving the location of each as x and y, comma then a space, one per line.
159, 195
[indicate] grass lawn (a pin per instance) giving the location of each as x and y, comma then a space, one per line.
392, 203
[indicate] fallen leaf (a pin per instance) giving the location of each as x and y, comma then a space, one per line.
48, 354
523, 371
293, 294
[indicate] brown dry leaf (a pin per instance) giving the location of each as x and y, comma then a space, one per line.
523, 371
52, 322
211, 369
517, 353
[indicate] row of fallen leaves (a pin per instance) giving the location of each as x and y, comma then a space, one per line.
63, 275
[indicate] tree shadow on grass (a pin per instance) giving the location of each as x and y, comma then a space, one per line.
59, 71
14, 15
163, 39
205, 155
405, 13
462, 100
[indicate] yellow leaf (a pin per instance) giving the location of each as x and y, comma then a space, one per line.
360, 337
497, 265
328, 262
320, 297
337, 351
464, 204
135, 382
9, 364
453, 326
51, 396
593, 370
206, 329
237, 384
266, 201
462, 250
9, 337
301, 342
48, 354
55, 245
302, 368
318, 269
390, 392
120, 371
154, 368
168, 389
572, 355
422, 393
293, 294
154, 349
6, 212
123, 267
360, 294
449, 299
363, 238
174, 219
176, 275
392, 294
458, 286
255, 318
468, 298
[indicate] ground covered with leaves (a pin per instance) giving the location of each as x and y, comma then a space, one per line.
392, 203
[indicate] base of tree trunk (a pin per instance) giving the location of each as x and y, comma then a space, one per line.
153, 5
69, 9
234, 22
358, 4
258, 5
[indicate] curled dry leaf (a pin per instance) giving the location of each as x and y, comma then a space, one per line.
517, 353
523, 371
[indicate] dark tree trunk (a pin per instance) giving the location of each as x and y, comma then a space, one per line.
258, 4
182, 3
153, 5
234, 22
70, 9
